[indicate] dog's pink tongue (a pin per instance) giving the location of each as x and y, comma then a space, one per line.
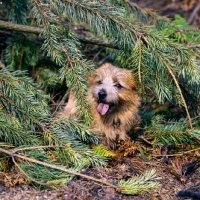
103, 108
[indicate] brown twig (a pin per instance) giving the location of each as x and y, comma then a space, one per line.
194, 13
193, 46
61, 102
177, 154
32, 160
2, 66
37, 147
139, 61
198, 116
143, 138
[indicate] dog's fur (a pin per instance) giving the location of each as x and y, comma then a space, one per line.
113, 100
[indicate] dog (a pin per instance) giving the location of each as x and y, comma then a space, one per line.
113, 99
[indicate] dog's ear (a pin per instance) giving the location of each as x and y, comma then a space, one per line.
91, 77
131, 80
135, 88
134, 84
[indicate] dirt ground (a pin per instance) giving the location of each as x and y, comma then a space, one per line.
170, 170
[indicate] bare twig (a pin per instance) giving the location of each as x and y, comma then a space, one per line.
193, 46
139, 62
61, 102
194, 13
143, 138
32, 160
38, 147
177, 154
2, 66
19, 27
180, 92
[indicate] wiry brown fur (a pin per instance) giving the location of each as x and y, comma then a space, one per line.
122, 98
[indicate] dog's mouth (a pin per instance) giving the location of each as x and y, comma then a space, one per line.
104, 108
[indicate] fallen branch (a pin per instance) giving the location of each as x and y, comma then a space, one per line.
176, 154
32, 160
142, 184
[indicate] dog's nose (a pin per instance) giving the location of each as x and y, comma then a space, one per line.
102, 94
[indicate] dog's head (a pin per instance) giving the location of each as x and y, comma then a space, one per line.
111, 87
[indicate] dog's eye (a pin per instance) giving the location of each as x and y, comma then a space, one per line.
118, 86
100, 82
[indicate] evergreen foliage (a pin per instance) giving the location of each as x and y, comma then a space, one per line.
16, 10
142, 184
100, 149
23, 108
144, 42
162, 131
22, 53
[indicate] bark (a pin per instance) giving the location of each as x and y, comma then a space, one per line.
35, 30
14, 155
19, 27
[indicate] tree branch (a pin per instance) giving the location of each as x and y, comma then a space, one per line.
19, 27
97, 41
35, 30
175, 82
13, 154
194, 13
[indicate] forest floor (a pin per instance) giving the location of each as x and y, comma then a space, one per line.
173, 177
170, 170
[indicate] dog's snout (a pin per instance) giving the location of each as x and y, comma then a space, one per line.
102, 94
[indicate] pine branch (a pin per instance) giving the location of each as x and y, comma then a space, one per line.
13, 132
97, 41
160, 62
177, 154
32, 160
175, 81
19, 27
141, 184
17, 10
141, 35
148, 16
18, 91
21, 110
36, 30
171, 132
73, 70
102, 151
112, 18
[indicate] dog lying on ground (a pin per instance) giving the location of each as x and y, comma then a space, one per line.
113, 100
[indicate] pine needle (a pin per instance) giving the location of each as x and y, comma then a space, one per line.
103, 151
145, 183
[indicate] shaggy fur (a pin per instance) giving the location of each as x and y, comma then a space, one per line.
113, 99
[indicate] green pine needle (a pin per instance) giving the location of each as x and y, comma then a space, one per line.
144, 183
171, 131
103, 151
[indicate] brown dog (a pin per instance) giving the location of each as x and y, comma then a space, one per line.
113, 100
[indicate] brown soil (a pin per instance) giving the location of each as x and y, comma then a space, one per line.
172, 174
169, 169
